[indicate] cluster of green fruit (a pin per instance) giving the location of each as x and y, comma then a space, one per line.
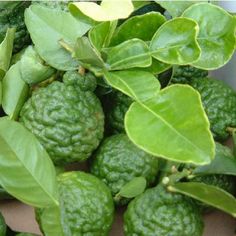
77, 119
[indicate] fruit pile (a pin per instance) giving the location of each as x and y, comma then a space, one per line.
126, 89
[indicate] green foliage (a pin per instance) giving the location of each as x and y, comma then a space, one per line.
53, 24
84, 199
133, 188
24, 163
223, 163
6, 47
216, 40
29, 69
129, 54
208, 194
106, 11
182, 47
141, 27
164, 213
3, 227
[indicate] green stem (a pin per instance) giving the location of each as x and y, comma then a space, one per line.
170, 180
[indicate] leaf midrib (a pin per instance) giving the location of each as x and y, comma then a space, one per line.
22, 163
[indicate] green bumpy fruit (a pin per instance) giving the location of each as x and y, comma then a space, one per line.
182, 74
3, 226
160, 213
67, 118
12, 16
87, 207
219, 102
118, 161
119, 104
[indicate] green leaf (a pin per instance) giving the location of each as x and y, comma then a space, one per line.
15, 91
101, 34
6, 47
86, 54
47, 27
129, 54
32, 68
26, 171
216, 37
175, 42
0, 92
51, 221
142, 27
223, 163
133, 188
107, 11
176, 7
175, 114
208, 194
156, 67
139, 85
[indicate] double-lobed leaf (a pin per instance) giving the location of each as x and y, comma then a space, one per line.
208, 194
142, 27
6, 47
216, 36
175, 114
175, 42
129, 54
26, 171
47, 27
156, 117
107, 11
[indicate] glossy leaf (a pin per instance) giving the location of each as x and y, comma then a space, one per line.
223, 163
139, 85
101, 34
24, 163
51, 221
107, 11
32, 68
175, 114
176, 7
216, 37
86, 54
47, 27
175, 42
129, 54
15, 91
6, 47
133, 188
208, 194
156, 67
142, 27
